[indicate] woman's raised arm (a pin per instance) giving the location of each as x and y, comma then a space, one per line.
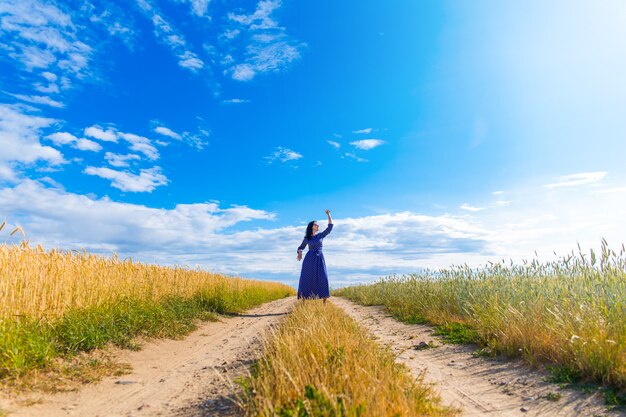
330, 225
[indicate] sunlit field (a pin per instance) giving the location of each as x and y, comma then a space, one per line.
56, 303
569, 313
321, 363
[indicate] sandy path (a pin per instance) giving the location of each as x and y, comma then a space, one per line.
189, 377
480, 387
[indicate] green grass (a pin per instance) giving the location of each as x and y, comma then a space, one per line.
568, 313
458, 333
28, 344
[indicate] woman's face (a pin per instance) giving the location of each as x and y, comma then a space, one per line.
315, 228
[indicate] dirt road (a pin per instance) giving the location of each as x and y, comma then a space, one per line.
190, 377
193, 377
479, 386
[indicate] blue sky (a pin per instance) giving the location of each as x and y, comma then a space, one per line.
208, 133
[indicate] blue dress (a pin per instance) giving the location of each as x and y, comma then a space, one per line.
314, 278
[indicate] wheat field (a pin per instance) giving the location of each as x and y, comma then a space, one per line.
56, 303
569, 313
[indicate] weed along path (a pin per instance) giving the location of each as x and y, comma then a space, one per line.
189, 377
478, 386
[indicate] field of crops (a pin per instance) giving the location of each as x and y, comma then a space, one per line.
569, 313
57, 303
320, 362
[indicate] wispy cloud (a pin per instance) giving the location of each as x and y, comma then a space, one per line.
44, 38
334, 144
365, 131
235, 101
166, 131
140, 144
574, 180
120, 161
39, 100
199, 7
355, 157
367, 144
261, 18
268, 48
171, 37
137, 143
282, 154
198, 140
146, 181
468, 207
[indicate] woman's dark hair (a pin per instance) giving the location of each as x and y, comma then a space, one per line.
309, 230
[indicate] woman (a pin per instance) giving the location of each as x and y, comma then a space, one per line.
314, 278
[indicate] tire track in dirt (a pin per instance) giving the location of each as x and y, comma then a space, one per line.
184, 378
479, 386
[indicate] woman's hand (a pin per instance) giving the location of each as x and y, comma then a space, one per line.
327, 212
299, 257
330, 219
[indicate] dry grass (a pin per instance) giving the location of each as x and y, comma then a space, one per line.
321, 363
569, 312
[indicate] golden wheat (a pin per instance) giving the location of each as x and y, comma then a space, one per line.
43, 284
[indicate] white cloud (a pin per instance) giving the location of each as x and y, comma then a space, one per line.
355, 157
115, 20
283, 155
199, 7
366, 131
334, 144
141, 144
367, 144
62, 138
171, 37
97, 132
235, 101
146, 181
59, 218
43, 37
88, 145
468, 207
20, 141
231, 34
268, 48
243, 72
39, 100
575, 180
358, 248
260, 19
190, 61
165, 131
120, 161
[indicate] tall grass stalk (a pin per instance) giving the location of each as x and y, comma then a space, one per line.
321, 363
56, 303
570, 312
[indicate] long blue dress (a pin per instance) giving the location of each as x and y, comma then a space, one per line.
314, 278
